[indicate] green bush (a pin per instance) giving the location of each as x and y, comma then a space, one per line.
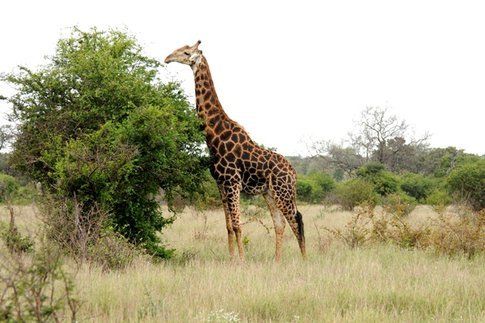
399, 203
324, 183
355, 192
416, 185
304, 189
8, 187
314, 187
439, 197
467, 183
36, 288
4, 167
13, 191
97, 125
384, 182
209, 196
13, 239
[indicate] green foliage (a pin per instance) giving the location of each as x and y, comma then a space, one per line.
12, 190
417, 186
324, 183
439, 197
304, 189
112, 251
209, 196
467, 183
86, 234
384, 182
98, 125
36, 288
314, 186
4, 167
370, 170
14, 240
355, 192
399, 203
8, 187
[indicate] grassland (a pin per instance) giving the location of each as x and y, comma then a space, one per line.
336, 284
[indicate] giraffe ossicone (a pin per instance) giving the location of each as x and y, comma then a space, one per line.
238, 163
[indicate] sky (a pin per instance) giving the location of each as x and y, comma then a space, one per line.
292, 72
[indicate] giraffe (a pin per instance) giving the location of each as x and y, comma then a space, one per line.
239, 164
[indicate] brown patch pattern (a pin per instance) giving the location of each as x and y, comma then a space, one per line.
239, 164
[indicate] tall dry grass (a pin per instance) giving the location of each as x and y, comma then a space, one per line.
374, 282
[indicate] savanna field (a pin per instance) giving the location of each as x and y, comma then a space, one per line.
367, 282
98, 150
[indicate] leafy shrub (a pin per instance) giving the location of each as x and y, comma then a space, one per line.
86, 235
8, 187
399, 203
416, 185
12, 238
356, 231
393, 228
355, 192
384, 182
314, 187
14, 191
439, 197
4, 167
304, 190
449, 235
370, 170
467, 183
323, 183
208, 197
463, 235
97, 125
112, 251
36, 288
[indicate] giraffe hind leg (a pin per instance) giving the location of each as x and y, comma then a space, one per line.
295, 220
279, 224
230, 232
285, 197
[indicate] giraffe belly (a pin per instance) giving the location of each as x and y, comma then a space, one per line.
254, 186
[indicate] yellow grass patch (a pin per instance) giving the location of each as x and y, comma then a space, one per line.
378, 282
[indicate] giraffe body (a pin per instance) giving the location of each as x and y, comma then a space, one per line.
239, 164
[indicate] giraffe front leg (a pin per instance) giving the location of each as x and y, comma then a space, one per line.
230, 230
232, 207
230, 194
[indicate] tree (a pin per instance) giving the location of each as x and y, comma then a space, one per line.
400, 156
375, 129
345, 159
467, 183
384, 182
379, 136
6, 135
97, 125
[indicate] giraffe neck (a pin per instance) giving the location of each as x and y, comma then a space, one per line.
207, 103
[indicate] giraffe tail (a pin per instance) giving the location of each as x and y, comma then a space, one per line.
301, 230
301, 233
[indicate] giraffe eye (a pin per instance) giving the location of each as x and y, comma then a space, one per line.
187, 53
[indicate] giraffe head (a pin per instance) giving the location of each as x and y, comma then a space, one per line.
188, 55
